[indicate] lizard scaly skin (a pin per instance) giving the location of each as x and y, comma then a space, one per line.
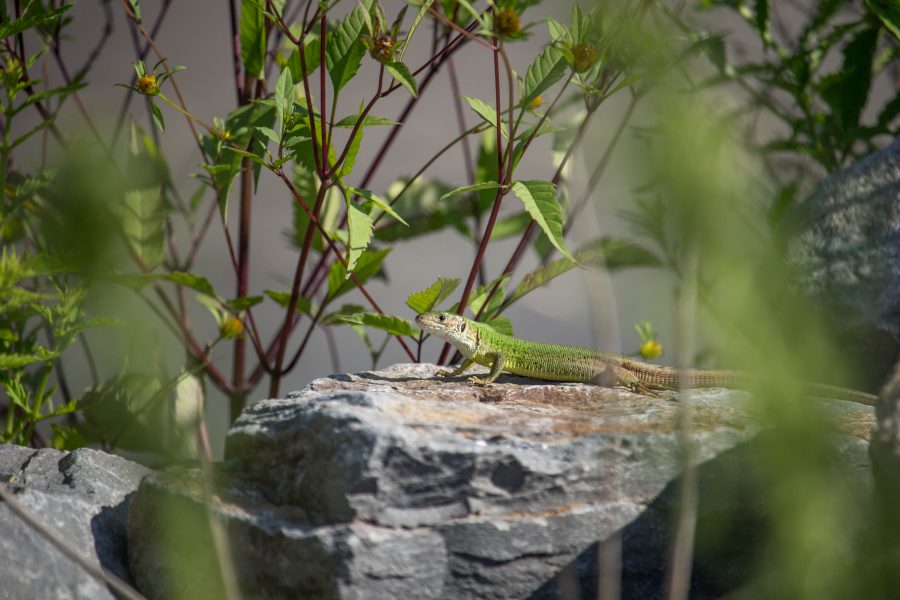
480, 344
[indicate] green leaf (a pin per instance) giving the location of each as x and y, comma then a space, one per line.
847, 90
423, 10
368, 265
485, 112
377, 201
539, 199
391, 324
242, 304
547, 69
349, 121
253, 37
313, 54
431, 297
501, 325
401, 73
349, 160
11, 28
889, 13
157, 116
557, 30
762, 20
144, 209
303, 305
486, 185
621, 254
360, 227
480, 295
344, 49
17, 361
265, 131
188, 280
284, 97
142, 222
543, 275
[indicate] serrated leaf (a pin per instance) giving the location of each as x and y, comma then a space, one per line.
368, 265
548, 68
349, 121
284, 98
485, 112
189, 280
486, 185
344, 49
377, 201
432, 296
302, 305
142, 224
350, 159
391, 324
359, 225
539, 199
253, 37
401, 73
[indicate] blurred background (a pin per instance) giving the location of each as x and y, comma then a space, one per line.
590, 307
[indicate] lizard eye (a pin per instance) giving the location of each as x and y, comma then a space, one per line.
442, 318
462, 327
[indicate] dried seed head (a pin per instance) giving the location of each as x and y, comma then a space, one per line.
382, 48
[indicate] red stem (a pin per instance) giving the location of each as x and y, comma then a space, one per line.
495, 210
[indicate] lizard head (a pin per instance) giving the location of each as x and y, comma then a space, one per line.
449, 327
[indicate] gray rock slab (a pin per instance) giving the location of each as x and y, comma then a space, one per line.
81, 495
843, 243
455, 491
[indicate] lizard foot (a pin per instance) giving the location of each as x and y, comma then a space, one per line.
443, 373
640, 388
479, 381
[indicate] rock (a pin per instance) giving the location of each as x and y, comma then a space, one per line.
83, 496
387, 484
845, 248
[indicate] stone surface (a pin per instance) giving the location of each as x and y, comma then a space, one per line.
391, 484
83, 496
845, 246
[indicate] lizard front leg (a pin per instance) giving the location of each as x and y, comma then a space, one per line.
496, 369
464, 366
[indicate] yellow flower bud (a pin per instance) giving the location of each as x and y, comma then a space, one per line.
536, 103
651, 349
231, 327
147, 85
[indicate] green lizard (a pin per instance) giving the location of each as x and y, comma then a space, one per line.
480, 344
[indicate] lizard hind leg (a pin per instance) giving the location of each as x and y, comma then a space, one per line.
630, 381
